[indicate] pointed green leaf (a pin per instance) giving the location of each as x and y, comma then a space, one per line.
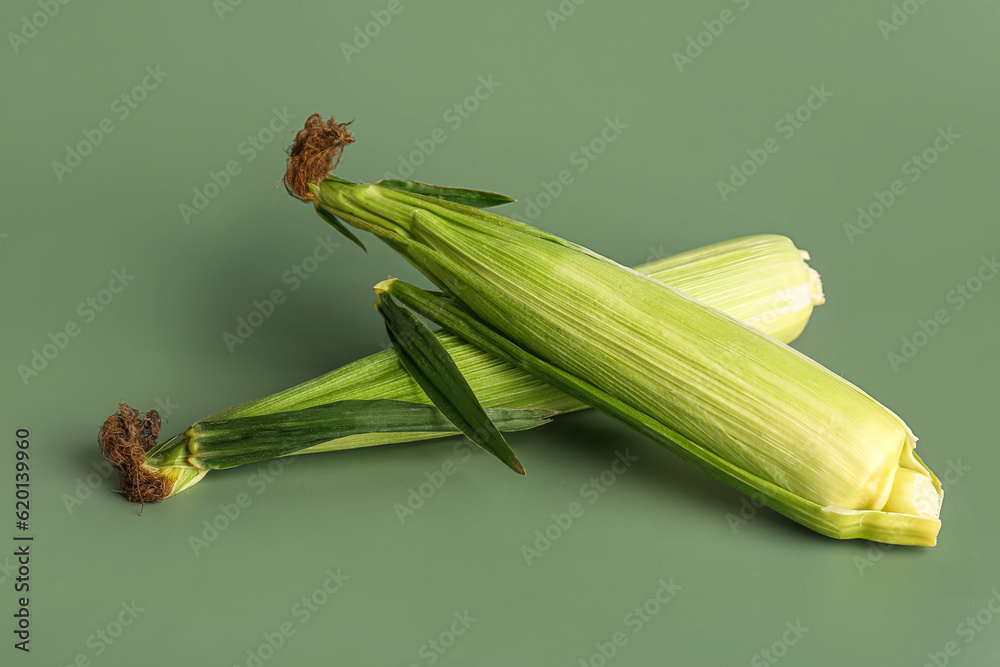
476, 198
226, 443
429, 363
340, 226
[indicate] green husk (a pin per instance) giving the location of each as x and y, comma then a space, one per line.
762, 278
716, 391
219, 444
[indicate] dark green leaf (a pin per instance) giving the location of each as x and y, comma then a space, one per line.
340, 226
429, 363
231, 442
476, 198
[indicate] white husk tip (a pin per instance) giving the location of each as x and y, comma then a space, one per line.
815, 286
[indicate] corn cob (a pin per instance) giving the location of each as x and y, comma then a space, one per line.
737, 403
762, 279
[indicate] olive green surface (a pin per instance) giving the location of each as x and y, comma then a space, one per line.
143, 148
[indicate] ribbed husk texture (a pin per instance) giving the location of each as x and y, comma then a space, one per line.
763, 279
765, 408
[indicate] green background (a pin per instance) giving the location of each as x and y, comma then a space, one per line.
653, 191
